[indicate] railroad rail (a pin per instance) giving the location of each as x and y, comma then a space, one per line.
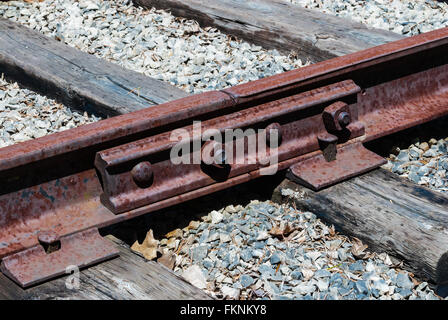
59, 189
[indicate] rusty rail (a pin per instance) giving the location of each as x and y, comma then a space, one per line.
69, 184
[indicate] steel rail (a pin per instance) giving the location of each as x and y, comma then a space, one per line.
66, 184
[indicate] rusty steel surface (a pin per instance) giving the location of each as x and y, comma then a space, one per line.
299, 136
34, 265
367, 68
405, 102
352, 159
119, 168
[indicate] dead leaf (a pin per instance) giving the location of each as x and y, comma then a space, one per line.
358, 248
172, 243
292, 235
414, 281
193, 225
369, 255
278, 267
282, 230
175, 234
148, 248
332, 231
211, 286
181, 244
168, 260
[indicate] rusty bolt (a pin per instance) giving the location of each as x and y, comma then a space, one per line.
142, 174
49, 240
344, 119
327, 143
213, 153
336, 116
274, 126
48, 237
220, 156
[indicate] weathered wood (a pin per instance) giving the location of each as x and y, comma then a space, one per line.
85, 82
126, 277
280, 25
77, 79
390, 214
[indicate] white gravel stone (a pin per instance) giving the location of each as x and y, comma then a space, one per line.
400, 16
26, 115
427, 167
152, 42
194, 275
263, 235
248, 266
216, 216
230, 292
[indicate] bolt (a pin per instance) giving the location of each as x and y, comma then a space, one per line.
220, 156
48, 237
274, 126
214, 161
344, 119
327, 143
49, 240
214, 154
336, 116
142, 174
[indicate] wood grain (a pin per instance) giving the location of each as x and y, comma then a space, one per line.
126, 277
78, 79
390, 214
276, 24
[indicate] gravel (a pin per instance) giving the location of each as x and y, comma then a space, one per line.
26, 115
152, 42
405, 17
299, 257
424, 163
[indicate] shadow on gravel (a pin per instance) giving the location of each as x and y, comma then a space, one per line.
436, 129
179, 216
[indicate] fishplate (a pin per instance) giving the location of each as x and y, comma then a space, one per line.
141, 172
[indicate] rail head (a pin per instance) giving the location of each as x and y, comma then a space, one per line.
351, 66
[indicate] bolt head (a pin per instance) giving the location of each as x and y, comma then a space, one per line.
214, 154
48, 237
344, 119
142, 173
336, 116
220, 156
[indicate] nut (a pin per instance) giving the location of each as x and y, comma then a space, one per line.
336, 116
344, 119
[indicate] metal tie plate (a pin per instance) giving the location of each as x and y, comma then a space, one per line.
34, 265
351, 160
